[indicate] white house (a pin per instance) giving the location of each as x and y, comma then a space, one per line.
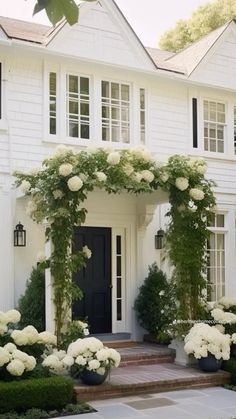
95, 84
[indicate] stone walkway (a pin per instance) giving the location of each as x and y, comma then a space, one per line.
209, 403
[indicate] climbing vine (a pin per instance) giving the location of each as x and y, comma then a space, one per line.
57, 192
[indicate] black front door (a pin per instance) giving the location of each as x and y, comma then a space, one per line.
95, 279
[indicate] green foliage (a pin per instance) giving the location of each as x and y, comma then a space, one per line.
69, 409
32, 303
74, 331
58, 9
43, 393
230, 366
134, 171
204, 19
155, 304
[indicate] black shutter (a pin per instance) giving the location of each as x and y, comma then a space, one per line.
0, 90
194, 110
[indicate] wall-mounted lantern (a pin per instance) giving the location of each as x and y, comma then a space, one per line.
19, 235
159, 239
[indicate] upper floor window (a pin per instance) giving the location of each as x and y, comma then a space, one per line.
77, 106
142, 103
52, 103
214, 126
115, 112
216, 259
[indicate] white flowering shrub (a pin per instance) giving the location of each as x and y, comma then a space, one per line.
21, 350
58, 190
74, 330
203, 339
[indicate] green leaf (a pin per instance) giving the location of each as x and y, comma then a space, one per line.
39, 6
71, 11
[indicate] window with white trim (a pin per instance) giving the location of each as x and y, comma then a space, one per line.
77, 106
142, 102
214, 126
216, 259
52, 103
115, 112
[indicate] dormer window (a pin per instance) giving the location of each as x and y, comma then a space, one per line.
115, 112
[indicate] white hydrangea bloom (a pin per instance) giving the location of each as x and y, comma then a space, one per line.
102, 354
102, 177
47, 338
3, 318
101, 371
181, 183
83, 177
65, 169
30, 207
75, 183
143, 153
147, 175
57, 194
203, 338
196, 194
10, 347
27, 336
225, 302
25, 186
87, 252
137, 177
13, 316
5, 356
63, 150
28, 360
223, 317
53, 363
59, 354
113, 158
3, 329
68, 361
164, 177
93, 365
114, 357
30, 363
16, 367
80, 360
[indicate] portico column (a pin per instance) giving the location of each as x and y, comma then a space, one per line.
49, 294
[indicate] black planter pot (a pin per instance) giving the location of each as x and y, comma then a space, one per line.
92, 378
209, 363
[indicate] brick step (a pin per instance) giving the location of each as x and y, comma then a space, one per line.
154, 378
120, 343
145, 360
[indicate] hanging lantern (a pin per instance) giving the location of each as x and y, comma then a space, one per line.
159, 239
19, 235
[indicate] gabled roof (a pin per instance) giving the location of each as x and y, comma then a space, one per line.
159, 57
190, 57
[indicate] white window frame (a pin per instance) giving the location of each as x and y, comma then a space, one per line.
217, 231
120, 82
143, 128
210, 122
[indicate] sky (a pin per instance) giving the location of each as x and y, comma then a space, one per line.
149, 18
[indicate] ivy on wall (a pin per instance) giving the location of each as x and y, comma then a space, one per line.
57, 192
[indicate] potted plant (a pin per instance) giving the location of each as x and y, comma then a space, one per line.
208, 345
92, 360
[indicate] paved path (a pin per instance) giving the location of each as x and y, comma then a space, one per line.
209, 403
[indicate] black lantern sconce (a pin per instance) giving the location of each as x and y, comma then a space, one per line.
19, 235
159, 239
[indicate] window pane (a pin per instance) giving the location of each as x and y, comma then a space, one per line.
52, 102
105, 112
84, 131
115, 113
220, 146
115, 91
212, 145
142, 99
124, 92
105, 133
73, 129
105, 89
118, 245
84, 109
52, 126
119, 316
118, 290
220, 220
73, 108
73, 84
84, 86
115, 134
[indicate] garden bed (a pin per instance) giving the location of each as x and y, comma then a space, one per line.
68, 410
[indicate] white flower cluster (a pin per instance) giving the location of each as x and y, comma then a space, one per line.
102, 177
87, 252
29, 336
25, 186
196, 194
90, 353
57, 194
142, 153
199, 165
75, 183
16, 361
113, 158
10, 316
225, 303
65, 169
181, 183
203, 338
83, 326
223, 317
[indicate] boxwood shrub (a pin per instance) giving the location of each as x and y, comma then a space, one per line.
43, 393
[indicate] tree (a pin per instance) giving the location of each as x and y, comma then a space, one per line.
204, 19
59, 9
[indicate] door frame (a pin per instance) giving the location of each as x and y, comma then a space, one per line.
124, 230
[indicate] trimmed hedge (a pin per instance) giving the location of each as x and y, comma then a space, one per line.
230, 366
43, 393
